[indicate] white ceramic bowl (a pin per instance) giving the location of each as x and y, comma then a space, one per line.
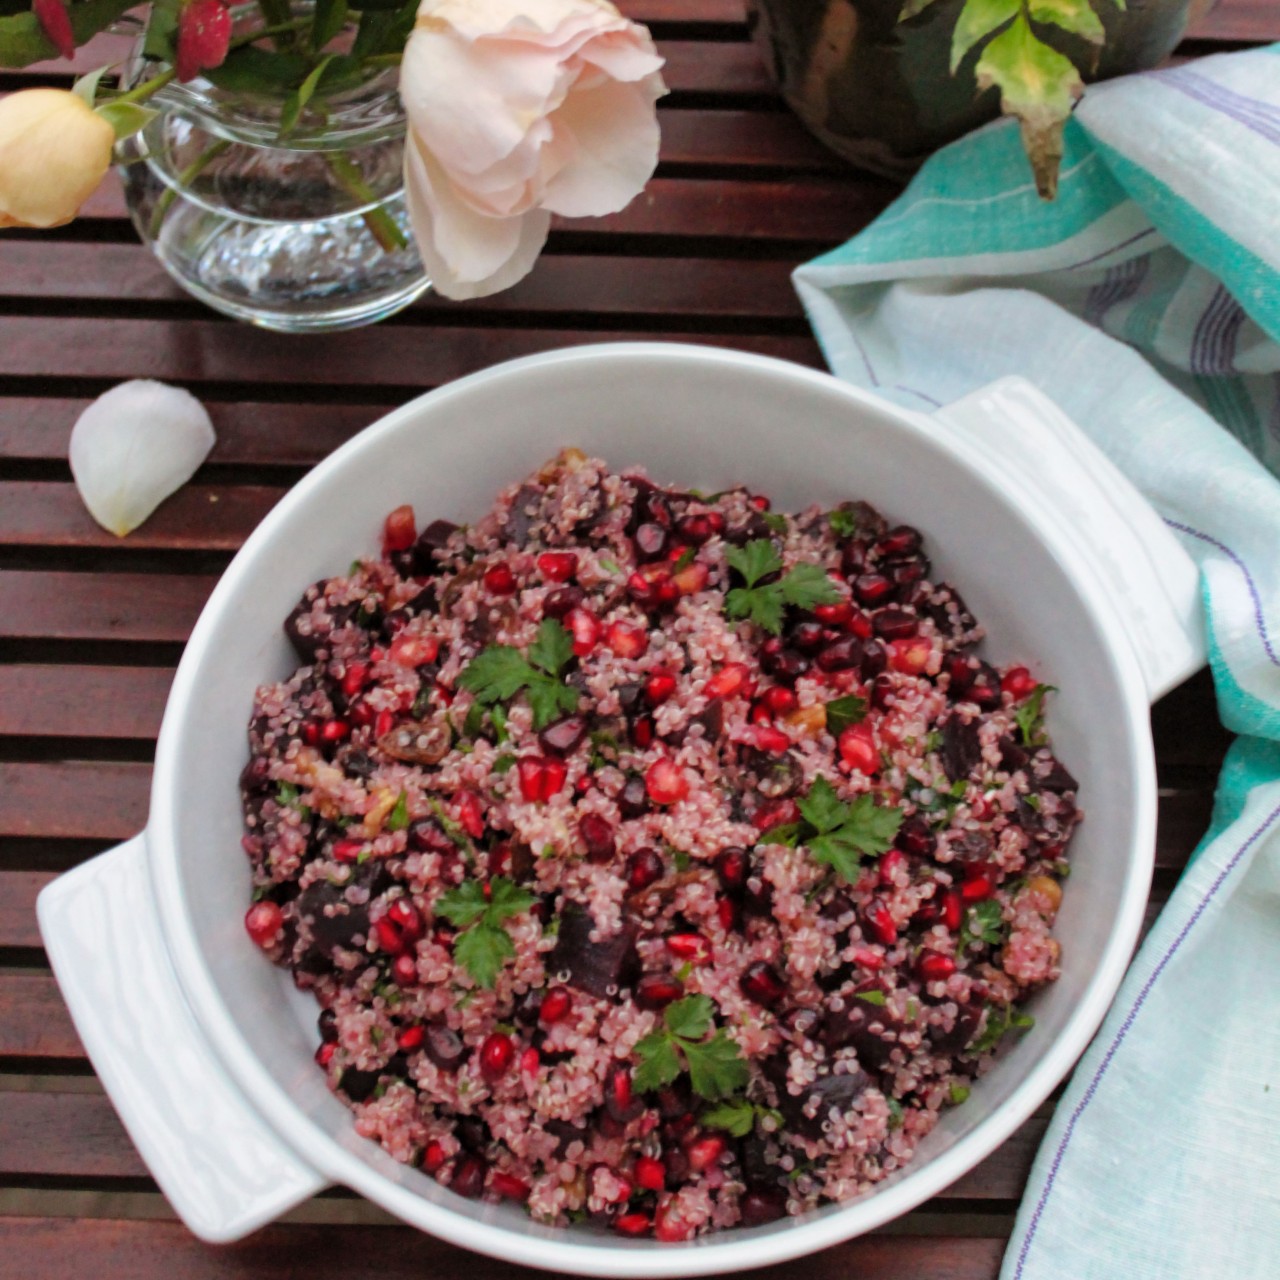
207, 1049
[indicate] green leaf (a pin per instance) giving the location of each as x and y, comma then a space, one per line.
912, 7
398, 818
736, 1116
496, 674
482, 951
977, 20
259, 72
842, 712
463, 905
822, 808
871, 827
1039, 86
1030, 716
327, 20
552, 649
23, 41
756, 560
775, 521
957, 1094
86, 87
762, 606
474, 722
787, 833
871, 997
895, 1113
549, 700
842, 857
983, 922
610, 566
689, 1018
503, 763
162, 28
296, 102
1076, 16
807, 585
843, 521
506, 899
717, 1068
659, 1063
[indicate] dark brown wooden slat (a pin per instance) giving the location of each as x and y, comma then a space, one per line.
141, 1250
18, 890
206, 517
104, 606
34, 1022
560, 284
675, 11
74, 799
82, 702
810, 211
80, 1135
1239, 20
202, 352
747, 139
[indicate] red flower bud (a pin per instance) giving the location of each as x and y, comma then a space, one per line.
204, 33
55, 22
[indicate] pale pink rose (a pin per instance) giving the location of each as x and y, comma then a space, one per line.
519, 109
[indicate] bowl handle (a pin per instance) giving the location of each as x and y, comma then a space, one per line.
1153, 583
218, 1163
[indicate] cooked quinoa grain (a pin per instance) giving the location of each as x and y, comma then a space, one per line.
655, 859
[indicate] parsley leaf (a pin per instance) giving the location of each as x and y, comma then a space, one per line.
1030, 717
843, 522
498, 673
957, 1094
839, 834
485, 946
775, 520
842, 712
736, 1116
716, 1066
984, 922
1001, 1019
804, 586
871, 997
398, 818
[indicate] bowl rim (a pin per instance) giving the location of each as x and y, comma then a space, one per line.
559, 1249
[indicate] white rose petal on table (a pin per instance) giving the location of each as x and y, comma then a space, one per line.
134, 446
519, 109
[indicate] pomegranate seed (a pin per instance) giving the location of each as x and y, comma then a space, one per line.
633, 1224
771, 740
977, 888
651, 1173
659, 687
470, 813
833, 615
644, 868
910, 656
555, 1005
916, 837
642, 732
935, 967
777, 813
497, 1053
204, 35
780, 700
597, 834
361, 713
759, 501
404, 915
411, 1038
760, 982
404, 970
762, 1205
563, 737
893, 862
665, 782
840, 655
872, 588
668, 1224
414, 651
311, 732
781, 662
657, 990
499, 580
1019, 683
557, 566
584, 627
858, 750
389, 937
530, 1061
626, 639
508, 1186
469, 1176
696, 529
895, 624
730, 680
880, 921
263, 921
952, 909
808, 636
559, 602
760, 714
334, 731
355, 678
383, 723
433, 1158
400, 531
899, 543
732, 866
620, 1100
866, 958
705, 1152
692, 947
347, 850
691, 579
324, 1054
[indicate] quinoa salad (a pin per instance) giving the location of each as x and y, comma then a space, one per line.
658, 861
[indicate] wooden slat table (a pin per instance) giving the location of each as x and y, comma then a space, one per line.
90, 628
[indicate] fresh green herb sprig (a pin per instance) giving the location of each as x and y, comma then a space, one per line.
485, 946
1030, 717
498, 673
983, 922
842, 712
737, 1116
843, 522
763, 603
398, 818
715, 1065
1001, 1019
839, 834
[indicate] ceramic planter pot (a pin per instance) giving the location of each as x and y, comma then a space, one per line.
881, 93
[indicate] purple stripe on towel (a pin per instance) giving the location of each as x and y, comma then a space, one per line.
1258, 117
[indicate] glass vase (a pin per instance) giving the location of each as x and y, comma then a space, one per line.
303, 233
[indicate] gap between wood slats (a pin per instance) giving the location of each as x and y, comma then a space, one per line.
198, 353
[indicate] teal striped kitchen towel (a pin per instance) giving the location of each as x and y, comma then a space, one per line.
1146, 301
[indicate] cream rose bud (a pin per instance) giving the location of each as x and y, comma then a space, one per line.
53, 153
519, 109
